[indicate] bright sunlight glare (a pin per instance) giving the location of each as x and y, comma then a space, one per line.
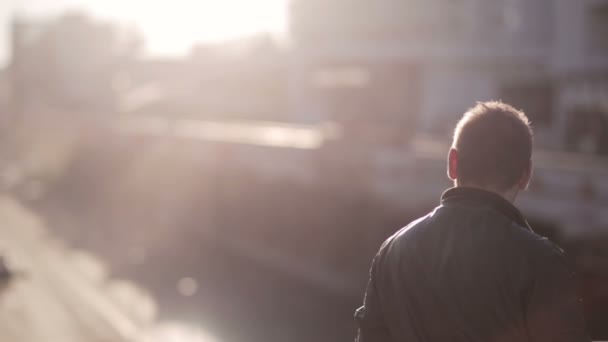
172, 27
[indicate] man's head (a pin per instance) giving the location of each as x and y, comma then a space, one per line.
492, 149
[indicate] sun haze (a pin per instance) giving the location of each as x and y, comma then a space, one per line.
171, 27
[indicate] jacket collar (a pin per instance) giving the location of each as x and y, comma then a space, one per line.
485, 198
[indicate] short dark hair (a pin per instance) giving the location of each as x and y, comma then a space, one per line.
494, 145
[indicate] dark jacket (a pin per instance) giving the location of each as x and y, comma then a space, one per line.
471, 270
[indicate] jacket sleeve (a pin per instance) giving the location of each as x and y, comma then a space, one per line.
553, 310
372, 327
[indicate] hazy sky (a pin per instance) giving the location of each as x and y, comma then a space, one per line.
169, 26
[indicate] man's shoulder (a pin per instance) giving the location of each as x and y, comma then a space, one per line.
519, 234
509, 233
543, 248
409, 229
534, 248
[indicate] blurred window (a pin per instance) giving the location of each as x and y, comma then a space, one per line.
535, 99
597, 29
432, 21
511, 16
587, 130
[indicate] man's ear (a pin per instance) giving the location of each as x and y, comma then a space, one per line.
526, 176
453, 164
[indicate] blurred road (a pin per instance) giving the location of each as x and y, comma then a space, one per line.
59, 295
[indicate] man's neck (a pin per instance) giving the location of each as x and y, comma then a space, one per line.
510, 194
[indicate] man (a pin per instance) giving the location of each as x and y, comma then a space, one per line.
473, 270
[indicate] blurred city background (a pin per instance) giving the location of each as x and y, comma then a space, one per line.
225, 170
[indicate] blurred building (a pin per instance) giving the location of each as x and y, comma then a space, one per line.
580, 75
414, 66
244, 79
402, 72
5, 98
239, 79
70, 63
